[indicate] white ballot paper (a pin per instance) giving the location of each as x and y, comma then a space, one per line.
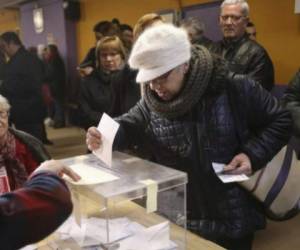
29, 247
93, 231
124, 234
156, 237
226, 178
108, 129
89, 175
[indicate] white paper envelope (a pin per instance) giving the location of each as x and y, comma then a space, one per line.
158, 236
117, 229
227, 178
153, 238
79, 233
89, 175
29, 247
108, 129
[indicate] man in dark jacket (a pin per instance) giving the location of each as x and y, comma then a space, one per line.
33, 212
22, 86
244, 55
195, 112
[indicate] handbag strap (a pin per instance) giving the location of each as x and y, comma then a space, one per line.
281, 177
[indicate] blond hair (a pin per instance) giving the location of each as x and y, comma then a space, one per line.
111, 43
144, 22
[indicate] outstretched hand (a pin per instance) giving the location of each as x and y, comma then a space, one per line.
58, 168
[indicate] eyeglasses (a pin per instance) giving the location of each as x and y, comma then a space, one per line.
4, 114
233, 18
161, 78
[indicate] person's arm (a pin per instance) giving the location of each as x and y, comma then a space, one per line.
131, 131
261, 69
90, 115
31, 213
133, 125
88, 64
90, 59
291, 100
268, 122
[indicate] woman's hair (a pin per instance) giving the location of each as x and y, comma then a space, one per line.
111, 43
144, 22
106, 28
4, 104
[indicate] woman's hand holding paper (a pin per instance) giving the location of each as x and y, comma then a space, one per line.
93, 139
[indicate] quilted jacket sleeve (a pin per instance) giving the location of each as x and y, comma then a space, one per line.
132, 127
260, 68
265, 126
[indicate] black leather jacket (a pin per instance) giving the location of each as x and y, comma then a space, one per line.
291, 100
246, 56
258, 126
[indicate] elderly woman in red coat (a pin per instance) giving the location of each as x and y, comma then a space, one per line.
20, 153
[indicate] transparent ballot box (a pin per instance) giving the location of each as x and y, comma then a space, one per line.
134, 204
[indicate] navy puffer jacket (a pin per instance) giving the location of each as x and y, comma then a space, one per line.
241, 117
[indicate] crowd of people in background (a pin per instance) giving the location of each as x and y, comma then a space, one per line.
197, 101
107, 83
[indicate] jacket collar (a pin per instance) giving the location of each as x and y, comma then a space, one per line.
234, 42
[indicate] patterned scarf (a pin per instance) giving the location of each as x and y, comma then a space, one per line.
196, 83
15, 169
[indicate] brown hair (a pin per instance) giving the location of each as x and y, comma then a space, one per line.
110, 42
144, 22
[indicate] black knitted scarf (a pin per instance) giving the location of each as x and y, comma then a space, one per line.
195, 85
